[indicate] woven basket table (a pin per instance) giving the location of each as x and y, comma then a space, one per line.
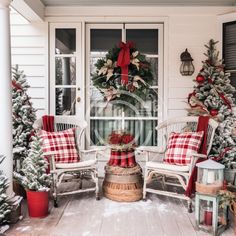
123, 184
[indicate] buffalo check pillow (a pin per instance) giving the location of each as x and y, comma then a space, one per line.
62, 142
181, 145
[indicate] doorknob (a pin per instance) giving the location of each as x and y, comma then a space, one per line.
78, 99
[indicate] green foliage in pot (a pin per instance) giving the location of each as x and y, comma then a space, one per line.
5, 203
33, 174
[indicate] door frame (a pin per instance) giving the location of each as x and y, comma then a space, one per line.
79, 73
123, 26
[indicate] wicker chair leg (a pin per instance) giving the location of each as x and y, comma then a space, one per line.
190, 210
55, 203
145, 185
54, 177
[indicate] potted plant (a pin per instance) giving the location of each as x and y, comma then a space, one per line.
35, 180
228, 198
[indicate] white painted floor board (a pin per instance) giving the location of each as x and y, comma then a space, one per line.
82, 215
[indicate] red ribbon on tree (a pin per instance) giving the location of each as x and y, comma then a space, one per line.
15, 85
197, 105
222, 96
124, 60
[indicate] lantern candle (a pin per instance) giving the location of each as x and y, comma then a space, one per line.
208, 217
210, 177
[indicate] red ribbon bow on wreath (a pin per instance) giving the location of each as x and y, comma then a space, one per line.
124, 60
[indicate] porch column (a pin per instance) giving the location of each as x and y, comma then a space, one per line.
5, 93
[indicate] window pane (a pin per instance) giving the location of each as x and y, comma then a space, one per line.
104, 39
65, 101
101, 129
65, 41
146, 40
143, 130
229, 45
154, 67
65, 70
233, 81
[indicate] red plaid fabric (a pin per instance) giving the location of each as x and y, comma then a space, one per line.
181, 145
63, 142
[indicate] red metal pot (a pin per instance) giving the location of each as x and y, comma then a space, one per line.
37, 203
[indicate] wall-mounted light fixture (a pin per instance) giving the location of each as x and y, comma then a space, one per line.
186, 68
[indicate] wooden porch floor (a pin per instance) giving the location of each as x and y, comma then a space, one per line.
82, 215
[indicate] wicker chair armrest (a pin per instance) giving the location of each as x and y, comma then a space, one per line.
52, 153
147, 150
94, 151
199, 155
151, 149
195, 157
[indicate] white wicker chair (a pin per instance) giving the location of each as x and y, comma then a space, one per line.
85, 169
170, 174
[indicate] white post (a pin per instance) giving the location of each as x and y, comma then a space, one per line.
5, 93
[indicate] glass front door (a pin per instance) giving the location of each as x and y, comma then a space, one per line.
104, 117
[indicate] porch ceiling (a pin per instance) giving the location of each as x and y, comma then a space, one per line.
139, 2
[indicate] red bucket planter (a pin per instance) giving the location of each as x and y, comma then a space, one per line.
122, 149
37, 203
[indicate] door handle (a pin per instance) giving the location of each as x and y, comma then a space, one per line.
78, 99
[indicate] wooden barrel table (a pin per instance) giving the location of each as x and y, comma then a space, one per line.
123, 184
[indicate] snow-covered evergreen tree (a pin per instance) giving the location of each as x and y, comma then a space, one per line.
213, 96
23, 115
5, 204
33, 174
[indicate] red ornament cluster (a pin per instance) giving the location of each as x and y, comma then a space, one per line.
122, 149
213, 112
200, 79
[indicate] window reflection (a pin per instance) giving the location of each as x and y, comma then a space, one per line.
65, 70
65, 101
65, 41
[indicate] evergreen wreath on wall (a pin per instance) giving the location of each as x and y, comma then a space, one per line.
124, 75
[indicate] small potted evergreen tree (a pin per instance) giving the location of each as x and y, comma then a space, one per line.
35, 180
5, 203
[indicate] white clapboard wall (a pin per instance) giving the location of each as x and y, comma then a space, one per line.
29, 51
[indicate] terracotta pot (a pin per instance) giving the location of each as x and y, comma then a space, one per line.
37, 203
233, 209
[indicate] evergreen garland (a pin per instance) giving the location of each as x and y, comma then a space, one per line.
108, 78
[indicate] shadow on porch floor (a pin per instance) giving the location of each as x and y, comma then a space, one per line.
82, 215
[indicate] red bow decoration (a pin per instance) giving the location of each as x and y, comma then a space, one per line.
222, 96
197, 105
15, 85
124, 60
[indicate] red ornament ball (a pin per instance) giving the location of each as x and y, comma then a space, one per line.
214, 112
200, 79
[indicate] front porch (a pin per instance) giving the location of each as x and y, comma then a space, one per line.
82, 215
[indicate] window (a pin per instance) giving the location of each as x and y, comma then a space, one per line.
66, 85
139, 120
229, 50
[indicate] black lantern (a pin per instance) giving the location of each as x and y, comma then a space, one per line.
186, 67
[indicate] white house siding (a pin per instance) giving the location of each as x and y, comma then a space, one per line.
192, 32
187, 27
29, 51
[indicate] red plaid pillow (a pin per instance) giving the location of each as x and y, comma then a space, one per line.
180, 145
63, 142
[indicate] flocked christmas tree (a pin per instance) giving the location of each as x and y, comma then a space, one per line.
33, 174
5, 204
213, 96
23, 116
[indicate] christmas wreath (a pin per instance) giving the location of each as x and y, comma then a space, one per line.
123, 75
